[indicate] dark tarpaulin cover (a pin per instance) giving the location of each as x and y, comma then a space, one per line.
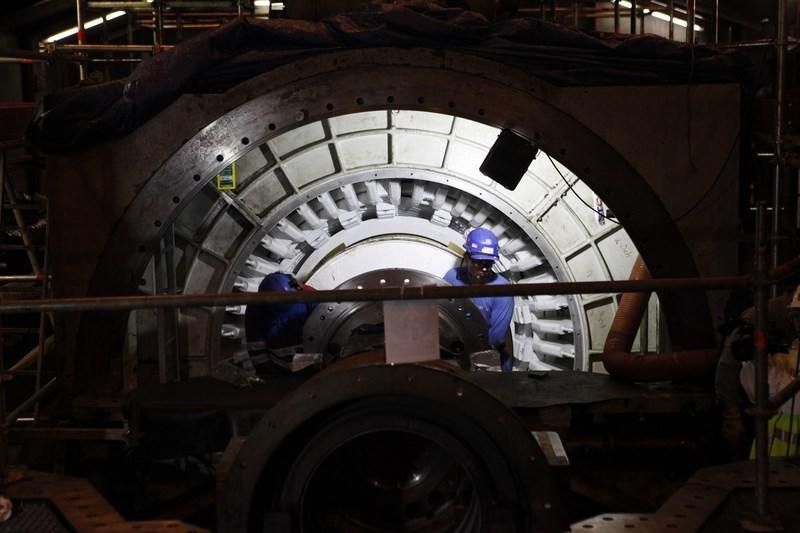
220, 59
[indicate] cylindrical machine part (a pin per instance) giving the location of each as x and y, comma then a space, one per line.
403, 445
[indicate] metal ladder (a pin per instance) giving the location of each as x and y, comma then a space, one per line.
13, 285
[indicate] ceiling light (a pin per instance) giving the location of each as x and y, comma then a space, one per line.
92, 23
61, 35
675, 20
261, 3
89, 24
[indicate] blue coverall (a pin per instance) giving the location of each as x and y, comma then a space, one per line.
498, 311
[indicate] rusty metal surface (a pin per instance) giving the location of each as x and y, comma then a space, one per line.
81, 506
702, 499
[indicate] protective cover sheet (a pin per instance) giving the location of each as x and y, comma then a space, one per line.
222, 58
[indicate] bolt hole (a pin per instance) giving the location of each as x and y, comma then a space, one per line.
197, 177
360, 101
271, 126
176, 200
390, 99
481, 112
421, 100
219, 157
451, 104
245, 140
158, 223
329, 107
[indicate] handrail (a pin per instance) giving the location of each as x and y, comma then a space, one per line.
430, 292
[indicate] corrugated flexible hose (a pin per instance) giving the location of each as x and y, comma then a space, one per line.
685, 365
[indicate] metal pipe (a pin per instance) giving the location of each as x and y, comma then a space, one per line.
780, 43
3, 414
761, 354
716, 22
690, 21
147, 6
35, 397
616, 16
433, 292
158, 23
748, 44
109, 47
633, 17
43, 316
172, 288
81, 34
576, 13
31, 357
671, 13
785, 394
2, 181
21, 277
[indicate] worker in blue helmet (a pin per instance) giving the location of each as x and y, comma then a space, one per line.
477, 268
273, 331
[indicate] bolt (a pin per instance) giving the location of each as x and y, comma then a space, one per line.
300, 115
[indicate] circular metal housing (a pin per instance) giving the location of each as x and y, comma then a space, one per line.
345, 328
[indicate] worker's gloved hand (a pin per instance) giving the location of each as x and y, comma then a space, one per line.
506, 360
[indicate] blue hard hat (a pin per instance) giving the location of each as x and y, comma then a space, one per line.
482, 245
278, 281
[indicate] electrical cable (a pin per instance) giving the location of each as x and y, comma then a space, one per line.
576, 194
733, 145
714, 183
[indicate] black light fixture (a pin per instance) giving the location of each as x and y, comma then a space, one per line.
508, 159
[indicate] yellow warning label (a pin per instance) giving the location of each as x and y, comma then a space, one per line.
226, 180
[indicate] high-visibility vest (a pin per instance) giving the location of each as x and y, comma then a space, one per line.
783, 435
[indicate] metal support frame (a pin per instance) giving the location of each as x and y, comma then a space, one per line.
158, 24
81, 34
761, 354
167, 319
40, 274
690, 5
777, 182
3, 413
671, 13
633, 17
